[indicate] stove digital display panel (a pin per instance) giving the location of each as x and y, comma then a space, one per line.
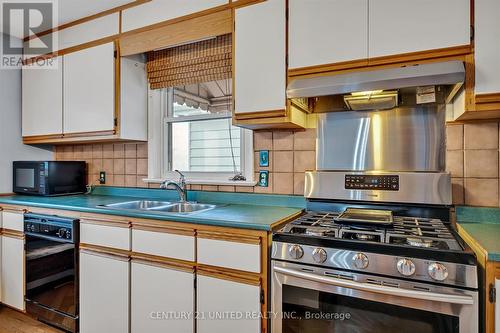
372, 182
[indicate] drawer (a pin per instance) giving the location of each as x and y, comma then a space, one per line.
169, 243
233, 252
13, 220
109, 235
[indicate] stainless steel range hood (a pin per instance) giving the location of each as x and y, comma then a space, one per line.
441, 73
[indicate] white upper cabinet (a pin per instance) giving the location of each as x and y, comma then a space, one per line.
327, 31
158, 11
89, 90
487, 46
403, 26
260, 52
42, 99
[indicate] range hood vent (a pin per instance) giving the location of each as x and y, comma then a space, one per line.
440, 73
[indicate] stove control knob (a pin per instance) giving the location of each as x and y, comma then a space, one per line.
319, 255
406, 267
437, 271
360, 260
295, 251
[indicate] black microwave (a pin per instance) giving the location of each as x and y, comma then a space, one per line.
48, 178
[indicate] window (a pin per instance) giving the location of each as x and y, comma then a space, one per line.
198, 137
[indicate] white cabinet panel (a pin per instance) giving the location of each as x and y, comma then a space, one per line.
487, 46
13, 221
402, 26
42, 99
89, 90
12, 272
104, 294
215, 296
240, 256
101, 27
163, 244
259, 64
103, 235
162, 10
325, 32
157, 292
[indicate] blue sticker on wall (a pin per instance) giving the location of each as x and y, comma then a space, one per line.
264, 158
263, 178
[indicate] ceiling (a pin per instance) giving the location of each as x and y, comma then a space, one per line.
71, 10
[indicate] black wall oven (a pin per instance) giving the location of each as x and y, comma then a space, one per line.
47, 178
52, 270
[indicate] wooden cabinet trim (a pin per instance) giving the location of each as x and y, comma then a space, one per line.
12, 233
105, 222
369, 63
229, 237
13, 209
162, 262
488, 98
260, 114
104, 251
229, 275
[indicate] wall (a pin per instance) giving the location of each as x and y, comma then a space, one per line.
11, 146
472, 159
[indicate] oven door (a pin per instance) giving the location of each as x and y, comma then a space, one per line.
315, 300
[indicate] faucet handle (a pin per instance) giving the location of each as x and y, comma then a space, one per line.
182, 177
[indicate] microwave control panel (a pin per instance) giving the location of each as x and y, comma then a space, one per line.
372, 182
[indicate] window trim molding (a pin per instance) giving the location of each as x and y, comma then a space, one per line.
158, 155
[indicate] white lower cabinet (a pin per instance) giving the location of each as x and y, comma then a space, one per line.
12, 272
104, 294
227, 306
162, 299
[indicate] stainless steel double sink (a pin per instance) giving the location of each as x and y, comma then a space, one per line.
161, 206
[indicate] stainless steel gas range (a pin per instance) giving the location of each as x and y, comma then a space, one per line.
373, 266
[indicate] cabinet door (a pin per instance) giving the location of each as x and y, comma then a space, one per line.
487, 47
217, 296
319, 34
42, 98
156, 293
104, 294
89, 90
12, 272
162, 10
402, 26
259, 64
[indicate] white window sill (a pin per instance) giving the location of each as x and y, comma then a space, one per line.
207, 182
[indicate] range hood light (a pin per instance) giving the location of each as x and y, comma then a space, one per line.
367, 93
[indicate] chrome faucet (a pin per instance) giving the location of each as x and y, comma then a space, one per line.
180, 186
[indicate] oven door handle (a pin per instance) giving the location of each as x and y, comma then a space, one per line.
374, 288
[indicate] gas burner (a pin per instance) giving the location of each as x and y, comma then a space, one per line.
419, 242
316, 232
364, 237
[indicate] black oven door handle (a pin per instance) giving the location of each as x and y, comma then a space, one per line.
375, 288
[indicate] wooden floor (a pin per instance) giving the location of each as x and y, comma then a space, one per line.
15, 322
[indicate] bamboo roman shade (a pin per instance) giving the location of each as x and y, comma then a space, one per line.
202, 61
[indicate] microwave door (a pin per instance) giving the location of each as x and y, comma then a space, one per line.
27, 178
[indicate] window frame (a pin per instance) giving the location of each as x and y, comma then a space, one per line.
159, 154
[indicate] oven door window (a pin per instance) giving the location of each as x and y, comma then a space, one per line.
313, 311
50, 274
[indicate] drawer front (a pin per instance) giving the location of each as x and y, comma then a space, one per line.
104, 235
229, 254
164, 244
13, 221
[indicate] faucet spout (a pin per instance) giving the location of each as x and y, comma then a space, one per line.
180, 186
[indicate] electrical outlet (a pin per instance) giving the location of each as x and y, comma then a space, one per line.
102, 177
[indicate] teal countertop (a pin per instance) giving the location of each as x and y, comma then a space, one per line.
482, 225
237, 210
